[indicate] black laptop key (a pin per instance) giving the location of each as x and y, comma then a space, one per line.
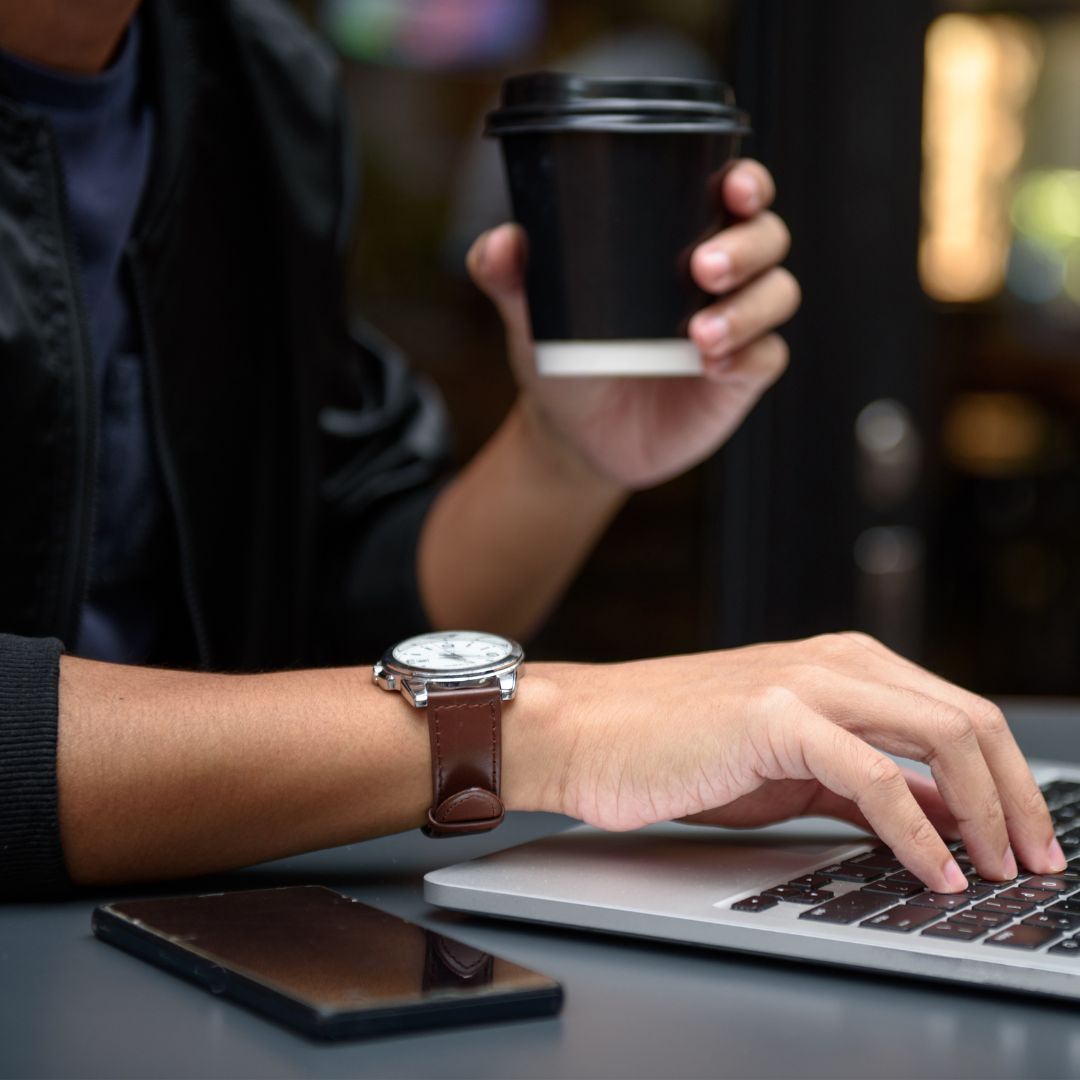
895, 888
880, 860
903, 919
806, 896
991, 883
906, 877
954, 931
940, 900
849, 908
1066, 907
1007, 905
1063, 924
810, 881
1069, 947
755, 903
847, 871
976, 892
979, 917
1055, 883
1028, 895
1023, 937
784, 892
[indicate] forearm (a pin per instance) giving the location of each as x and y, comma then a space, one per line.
165, 774
504, 540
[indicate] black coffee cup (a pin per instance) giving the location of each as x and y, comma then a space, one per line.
615, 181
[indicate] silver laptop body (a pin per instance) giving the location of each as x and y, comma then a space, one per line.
681, 883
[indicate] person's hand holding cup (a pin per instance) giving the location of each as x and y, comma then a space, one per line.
642, 289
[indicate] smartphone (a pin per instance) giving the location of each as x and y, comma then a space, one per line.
324, 963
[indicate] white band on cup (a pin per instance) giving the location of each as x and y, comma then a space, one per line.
663, 356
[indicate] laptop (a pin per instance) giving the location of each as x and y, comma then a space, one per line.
811, 890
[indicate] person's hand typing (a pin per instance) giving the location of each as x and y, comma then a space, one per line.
756, 735
639, 432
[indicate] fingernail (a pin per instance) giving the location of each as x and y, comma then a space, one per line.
1008, 864
954, 876
716, 266
1056, 856
714, 332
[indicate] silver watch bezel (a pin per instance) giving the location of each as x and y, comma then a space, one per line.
414, 682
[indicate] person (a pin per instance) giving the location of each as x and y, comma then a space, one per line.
203, 471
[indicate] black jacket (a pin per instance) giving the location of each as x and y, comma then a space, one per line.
299, 462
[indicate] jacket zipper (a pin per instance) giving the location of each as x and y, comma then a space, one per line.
169, 471
85, 403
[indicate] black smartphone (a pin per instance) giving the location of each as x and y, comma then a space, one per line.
324, 963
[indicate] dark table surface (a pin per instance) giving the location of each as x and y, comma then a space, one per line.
71, 1006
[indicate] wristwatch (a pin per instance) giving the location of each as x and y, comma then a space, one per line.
461, 677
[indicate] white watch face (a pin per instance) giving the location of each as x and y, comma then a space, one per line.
452, 650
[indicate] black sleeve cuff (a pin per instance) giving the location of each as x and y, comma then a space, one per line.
378, 602
31, 859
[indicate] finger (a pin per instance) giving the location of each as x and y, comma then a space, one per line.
933, 804
828, 804
748, 188
906, 722
746, 315
757, 366
854, 770
1030, 827
740, 252
496, 263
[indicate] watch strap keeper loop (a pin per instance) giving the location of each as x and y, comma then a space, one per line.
473, 810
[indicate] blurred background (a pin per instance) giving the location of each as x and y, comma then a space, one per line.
917, 472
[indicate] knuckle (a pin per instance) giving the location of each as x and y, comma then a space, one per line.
1032, 803
989, 719
832, 646
951, 725
883, 772
921, 833
776, 699
992, 808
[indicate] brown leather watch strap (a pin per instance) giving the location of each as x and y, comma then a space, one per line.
466, 754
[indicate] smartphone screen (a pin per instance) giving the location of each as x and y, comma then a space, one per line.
325, 963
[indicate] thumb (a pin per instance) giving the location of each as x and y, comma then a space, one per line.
496, 263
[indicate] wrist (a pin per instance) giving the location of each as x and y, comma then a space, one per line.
539, 737
559, 458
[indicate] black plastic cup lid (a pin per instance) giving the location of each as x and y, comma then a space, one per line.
555, 101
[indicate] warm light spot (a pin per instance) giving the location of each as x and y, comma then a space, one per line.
994, 434
980, 74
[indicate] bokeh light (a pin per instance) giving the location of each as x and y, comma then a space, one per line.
980, 75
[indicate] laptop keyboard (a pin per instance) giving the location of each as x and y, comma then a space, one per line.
873, 890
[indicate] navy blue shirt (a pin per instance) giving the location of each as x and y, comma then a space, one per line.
105, 131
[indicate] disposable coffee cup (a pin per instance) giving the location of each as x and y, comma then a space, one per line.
615, 182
